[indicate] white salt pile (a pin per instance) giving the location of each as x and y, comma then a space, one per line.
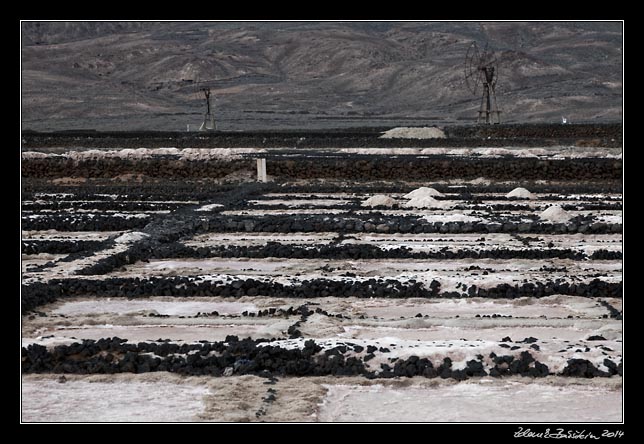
379, 200
425, 202
555, 214
209, 207
414, 133
422, 192
134, 236
521, 193
34, 155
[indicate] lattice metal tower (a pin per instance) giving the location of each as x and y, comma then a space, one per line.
208, 119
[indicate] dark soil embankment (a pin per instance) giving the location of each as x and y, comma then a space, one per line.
355, 167
528, 135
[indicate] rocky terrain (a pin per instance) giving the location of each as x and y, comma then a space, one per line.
272, 75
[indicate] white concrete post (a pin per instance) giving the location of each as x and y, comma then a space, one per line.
261, 170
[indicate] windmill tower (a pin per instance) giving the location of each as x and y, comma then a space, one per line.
208, 119
481, 69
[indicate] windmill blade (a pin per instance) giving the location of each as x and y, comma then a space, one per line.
496, 75
488, 57
195, 87
211, 83
472, 72
473, 82
473, 56
200, 84
485, 54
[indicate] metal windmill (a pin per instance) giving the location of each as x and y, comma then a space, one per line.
481, 68
208, 119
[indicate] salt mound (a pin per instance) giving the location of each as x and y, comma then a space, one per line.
422, 192
555, 214
379, 200
425, 202
35, 155
209, 207
414, 133
521, 193
127, 238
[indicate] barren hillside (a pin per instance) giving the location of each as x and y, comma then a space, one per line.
120, 76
